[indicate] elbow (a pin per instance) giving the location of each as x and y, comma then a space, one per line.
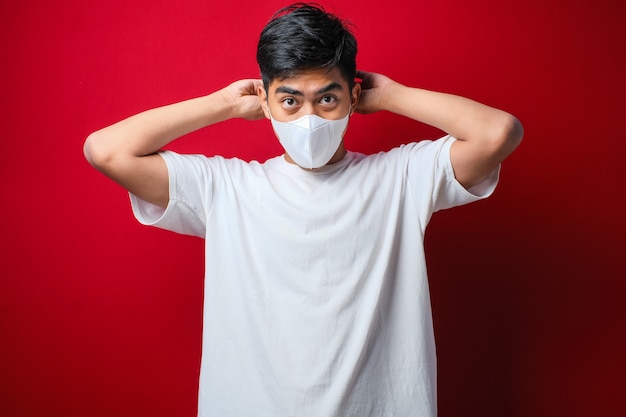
515, 131
88, 149
95, 151
508, 135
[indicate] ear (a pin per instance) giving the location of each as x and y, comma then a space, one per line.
354, 97
263, 99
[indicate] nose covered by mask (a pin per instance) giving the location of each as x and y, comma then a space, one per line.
311, 141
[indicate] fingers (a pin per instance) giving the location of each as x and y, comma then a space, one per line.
364, 74
256, 83
247, 86
250, 87
361, 74
368, 79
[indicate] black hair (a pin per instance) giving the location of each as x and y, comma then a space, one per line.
304, 37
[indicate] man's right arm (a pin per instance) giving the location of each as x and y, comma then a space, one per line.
127, 151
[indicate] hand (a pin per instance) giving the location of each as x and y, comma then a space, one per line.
374, 88
242, 96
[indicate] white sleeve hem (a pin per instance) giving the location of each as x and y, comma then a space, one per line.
147, 213
178, 216
479, 191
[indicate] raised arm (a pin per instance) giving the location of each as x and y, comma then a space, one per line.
126, 151
486, 136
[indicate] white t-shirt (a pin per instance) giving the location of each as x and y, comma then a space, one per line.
316, 296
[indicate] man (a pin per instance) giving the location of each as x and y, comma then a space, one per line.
316, 295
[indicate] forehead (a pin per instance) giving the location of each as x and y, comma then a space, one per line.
310, 81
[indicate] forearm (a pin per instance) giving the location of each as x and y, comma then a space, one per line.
147, 132
126, 151
460, 117
486, 136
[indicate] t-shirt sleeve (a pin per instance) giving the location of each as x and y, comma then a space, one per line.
190, 190
431, 169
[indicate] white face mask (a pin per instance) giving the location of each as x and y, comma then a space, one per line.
311, 141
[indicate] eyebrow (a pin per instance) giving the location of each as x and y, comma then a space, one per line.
288, 90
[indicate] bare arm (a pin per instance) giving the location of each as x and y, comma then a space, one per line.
126, 151
486, 136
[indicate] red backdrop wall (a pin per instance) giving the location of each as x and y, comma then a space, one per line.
100, 316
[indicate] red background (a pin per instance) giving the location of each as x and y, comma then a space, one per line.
100, 316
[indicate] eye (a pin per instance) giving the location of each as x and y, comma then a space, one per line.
328, 100
289, 102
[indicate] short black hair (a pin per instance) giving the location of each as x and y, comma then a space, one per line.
302, 37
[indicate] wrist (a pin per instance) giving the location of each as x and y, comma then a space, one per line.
391, 97
221, 107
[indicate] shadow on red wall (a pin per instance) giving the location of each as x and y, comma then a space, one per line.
100, 316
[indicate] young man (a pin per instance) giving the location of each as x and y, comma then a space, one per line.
316, 295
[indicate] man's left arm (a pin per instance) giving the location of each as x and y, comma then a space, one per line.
486, 136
